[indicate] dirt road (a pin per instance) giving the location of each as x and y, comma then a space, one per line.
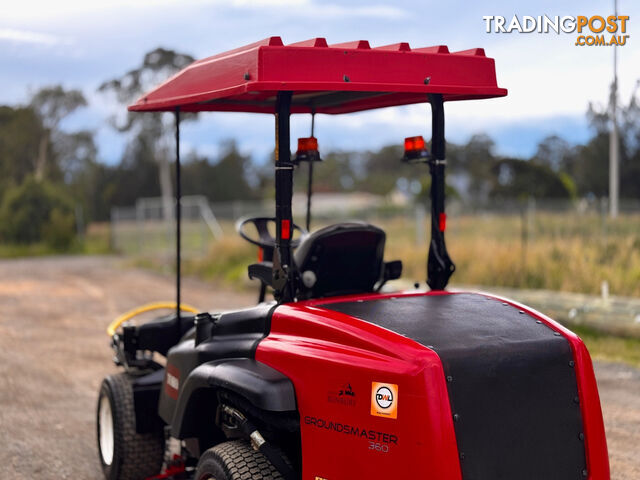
54, 353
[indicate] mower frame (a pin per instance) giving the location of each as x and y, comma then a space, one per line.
401, 384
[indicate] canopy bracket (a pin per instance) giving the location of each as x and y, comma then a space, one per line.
178, 218
310, 174
439, 264
283, 266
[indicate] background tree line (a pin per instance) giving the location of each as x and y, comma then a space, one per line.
50, 177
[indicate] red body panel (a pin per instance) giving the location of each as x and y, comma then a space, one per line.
247, 79
321, 351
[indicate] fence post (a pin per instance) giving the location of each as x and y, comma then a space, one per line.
604, 211
112, 228
420, 213
531, 216
79, 221
524, 234
139, 220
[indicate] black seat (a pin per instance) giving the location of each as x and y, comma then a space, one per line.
341, 259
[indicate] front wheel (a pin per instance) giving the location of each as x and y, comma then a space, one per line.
235, 461
124, 453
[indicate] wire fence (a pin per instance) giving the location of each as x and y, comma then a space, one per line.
142, 229
525, 246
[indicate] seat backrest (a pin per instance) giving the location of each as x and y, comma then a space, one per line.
340, 259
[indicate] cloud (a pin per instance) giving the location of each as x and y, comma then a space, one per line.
267, 3
31, 37
326, 10
45, 10
550, 80
339, 11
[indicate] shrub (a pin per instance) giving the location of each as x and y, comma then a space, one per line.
37, 211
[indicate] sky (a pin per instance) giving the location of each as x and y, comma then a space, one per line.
551, 81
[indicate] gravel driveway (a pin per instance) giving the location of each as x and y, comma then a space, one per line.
54, 352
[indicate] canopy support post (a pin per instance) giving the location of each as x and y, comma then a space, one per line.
283, 268
178, 220
439, 265
310, 181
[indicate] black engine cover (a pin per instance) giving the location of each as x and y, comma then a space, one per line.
511, 381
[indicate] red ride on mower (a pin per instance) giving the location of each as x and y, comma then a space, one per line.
334, 379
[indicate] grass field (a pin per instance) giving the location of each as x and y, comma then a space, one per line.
95, 241
552, 251
555, 251
610, 347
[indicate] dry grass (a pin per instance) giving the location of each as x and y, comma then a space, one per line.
95, 241
568, 253
610, 348
559, 253
226, 262
556, 251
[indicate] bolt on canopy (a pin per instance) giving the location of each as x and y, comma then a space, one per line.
314, 77
340, 78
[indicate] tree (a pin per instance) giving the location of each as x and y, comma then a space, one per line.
156, 66
20, 132
470, 167
554, 152
592, 171
52, 105
41, 166
383, 168
75, 153
333, 174
223, 179
515, 178
37, 211
630, 161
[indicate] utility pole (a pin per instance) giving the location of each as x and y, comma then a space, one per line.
614, 150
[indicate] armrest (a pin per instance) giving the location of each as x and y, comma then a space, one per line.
263, 271
392, 270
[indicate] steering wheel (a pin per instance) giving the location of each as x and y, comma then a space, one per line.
265, 239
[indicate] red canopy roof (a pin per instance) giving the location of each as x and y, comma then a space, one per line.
340, 78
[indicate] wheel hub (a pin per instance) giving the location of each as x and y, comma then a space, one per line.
105, 419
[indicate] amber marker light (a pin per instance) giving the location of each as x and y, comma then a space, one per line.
415, 150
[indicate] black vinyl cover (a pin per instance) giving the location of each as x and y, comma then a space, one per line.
511, 382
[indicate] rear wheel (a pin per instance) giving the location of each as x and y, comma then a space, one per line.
235, 461
124, 453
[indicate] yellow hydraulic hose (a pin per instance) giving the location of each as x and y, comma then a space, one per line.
111, 329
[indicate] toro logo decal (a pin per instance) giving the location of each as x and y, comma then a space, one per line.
345, 396
172, 381
384, 400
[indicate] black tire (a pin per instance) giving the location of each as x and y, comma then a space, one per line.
130, 455
235, 460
